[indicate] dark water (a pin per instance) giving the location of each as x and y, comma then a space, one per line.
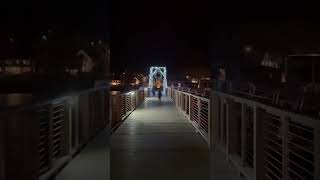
15, 99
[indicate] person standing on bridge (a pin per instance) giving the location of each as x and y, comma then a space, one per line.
159, 95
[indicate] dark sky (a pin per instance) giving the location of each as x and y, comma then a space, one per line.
268, 26
181, 35
164, 33
31, 19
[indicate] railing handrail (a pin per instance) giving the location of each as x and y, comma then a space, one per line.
195, 92
287, 96
197, 96
59, 97
301, 118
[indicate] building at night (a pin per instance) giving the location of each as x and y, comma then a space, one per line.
9, 67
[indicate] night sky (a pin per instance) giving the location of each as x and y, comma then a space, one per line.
267, 26
163, 33
182, 35
27, 21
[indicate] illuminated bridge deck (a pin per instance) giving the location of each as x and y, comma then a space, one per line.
155, 142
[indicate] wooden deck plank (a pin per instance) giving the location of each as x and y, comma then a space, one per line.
156, 142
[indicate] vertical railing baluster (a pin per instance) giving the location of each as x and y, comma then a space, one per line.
50, 134
285, 155
227, 130
209, 124
255, 139
199, 116
189, 108
68, 127
317, 151
243, 134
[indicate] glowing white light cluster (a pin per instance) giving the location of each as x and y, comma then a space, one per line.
153, 72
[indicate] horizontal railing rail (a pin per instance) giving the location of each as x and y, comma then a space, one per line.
198, 92
302, 98
195, 108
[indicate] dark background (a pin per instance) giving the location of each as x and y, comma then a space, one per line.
27, 21
163, 33
182, 35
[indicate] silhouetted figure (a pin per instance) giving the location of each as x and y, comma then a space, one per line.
159, 95
153, 92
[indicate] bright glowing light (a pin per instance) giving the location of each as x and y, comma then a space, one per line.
115, 82
153, 79
130, 93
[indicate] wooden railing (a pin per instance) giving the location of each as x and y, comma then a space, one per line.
263, 141
195, 108
38, 140
123, 104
